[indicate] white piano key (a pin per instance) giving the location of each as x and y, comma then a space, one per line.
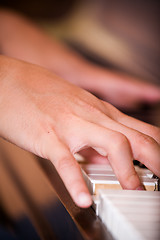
131, 214
96, 166
88, 182
115, 221
108, 181
102, 176
100, 172
100, 168
130, 193
95, 205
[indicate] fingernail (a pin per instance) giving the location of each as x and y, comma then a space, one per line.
84, 199
141, 187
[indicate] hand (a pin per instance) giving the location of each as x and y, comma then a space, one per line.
54, 119
32, 45
121, 90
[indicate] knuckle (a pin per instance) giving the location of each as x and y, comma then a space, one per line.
145, 140
145, 145
65, 162
119, 140
93, 109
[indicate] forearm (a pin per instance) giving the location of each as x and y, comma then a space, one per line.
23, 40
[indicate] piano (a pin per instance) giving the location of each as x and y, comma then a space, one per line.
128, 214
100, 176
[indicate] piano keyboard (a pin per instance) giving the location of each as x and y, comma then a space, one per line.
98, 176
127, 214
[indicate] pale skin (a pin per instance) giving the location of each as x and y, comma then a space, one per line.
54, 119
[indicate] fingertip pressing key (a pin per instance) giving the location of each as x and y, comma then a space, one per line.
84, 200
141, 187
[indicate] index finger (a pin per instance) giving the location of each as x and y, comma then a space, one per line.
68, 169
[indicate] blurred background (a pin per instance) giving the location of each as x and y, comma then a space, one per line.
122, 34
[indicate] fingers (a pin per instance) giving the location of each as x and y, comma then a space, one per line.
140, 126
110, 144
68, 170
146, 149
149, 92
111, 139
115, 146
122, 90
148, 143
